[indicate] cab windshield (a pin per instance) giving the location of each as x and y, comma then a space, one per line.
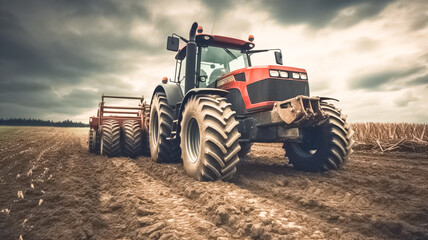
218, 61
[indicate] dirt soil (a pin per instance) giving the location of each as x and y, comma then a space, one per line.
51, 187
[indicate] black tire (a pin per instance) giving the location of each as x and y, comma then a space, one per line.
145, 144
209, 138
97, 142
110, 138
92, 140
325, 147
132, 138
161, 115
245, 149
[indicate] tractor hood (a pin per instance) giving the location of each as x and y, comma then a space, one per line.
257, 73
262, 86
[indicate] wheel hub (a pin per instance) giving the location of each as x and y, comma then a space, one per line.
193, 140
155, 128
310, 144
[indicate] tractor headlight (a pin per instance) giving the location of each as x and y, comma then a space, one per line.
283, 74
303, 76
274, 73
296, 75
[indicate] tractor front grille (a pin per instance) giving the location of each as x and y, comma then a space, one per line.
276, 90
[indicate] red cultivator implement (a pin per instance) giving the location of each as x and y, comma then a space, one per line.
118, 130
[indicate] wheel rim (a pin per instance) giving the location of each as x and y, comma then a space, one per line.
302, 150
193, 140
155, 128
310, 144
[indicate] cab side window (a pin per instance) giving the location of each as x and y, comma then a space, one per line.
182, 73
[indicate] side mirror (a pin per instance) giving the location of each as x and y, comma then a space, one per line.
172, 44
278, 58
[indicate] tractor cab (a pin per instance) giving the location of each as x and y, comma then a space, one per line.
212, 63
217, 56
225, 63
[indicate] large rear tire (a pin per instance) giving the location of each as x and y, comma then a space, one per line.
132, 138
110, 139
325, 147
161, 116
209, 138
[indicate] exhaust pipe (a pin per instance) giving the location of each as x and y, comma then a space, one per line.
191, 59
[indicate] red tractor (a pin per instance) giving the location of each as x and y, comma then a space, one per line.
219, 104
124, 133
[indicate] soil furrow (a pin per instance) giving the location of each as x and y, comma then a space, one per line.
64, 192
238, 209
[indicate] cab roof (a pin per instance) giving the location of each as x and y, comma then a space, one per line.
217, 41
223, 41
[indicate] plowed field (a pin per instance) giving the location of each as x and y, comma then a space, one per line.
51, 187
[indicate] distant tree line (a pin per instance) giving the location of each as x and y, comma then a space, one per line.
39, 122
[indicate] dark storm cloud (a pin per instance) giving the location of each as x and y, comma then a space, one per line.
48, 47
12, 111
381, 78
419, 80
19, 87
319, 14
22, 56
126, 10
47, 100
51, 99
64, 54
218, 7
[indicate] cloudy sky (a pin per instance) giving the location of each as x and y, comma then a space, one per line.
58, 57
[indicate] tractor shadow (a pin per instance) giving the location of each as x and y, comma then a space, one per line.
255, 173
254, 165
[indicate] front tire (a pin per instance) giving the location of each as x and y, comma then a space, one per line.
209, 138
325, 147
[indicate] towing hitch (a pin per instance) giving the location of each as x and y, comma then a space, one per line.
300, 111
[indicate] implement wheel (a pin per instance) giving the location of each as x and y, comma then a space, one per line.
132, 138
92, 140
110, 138
161, 115
209, 138
324, 147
